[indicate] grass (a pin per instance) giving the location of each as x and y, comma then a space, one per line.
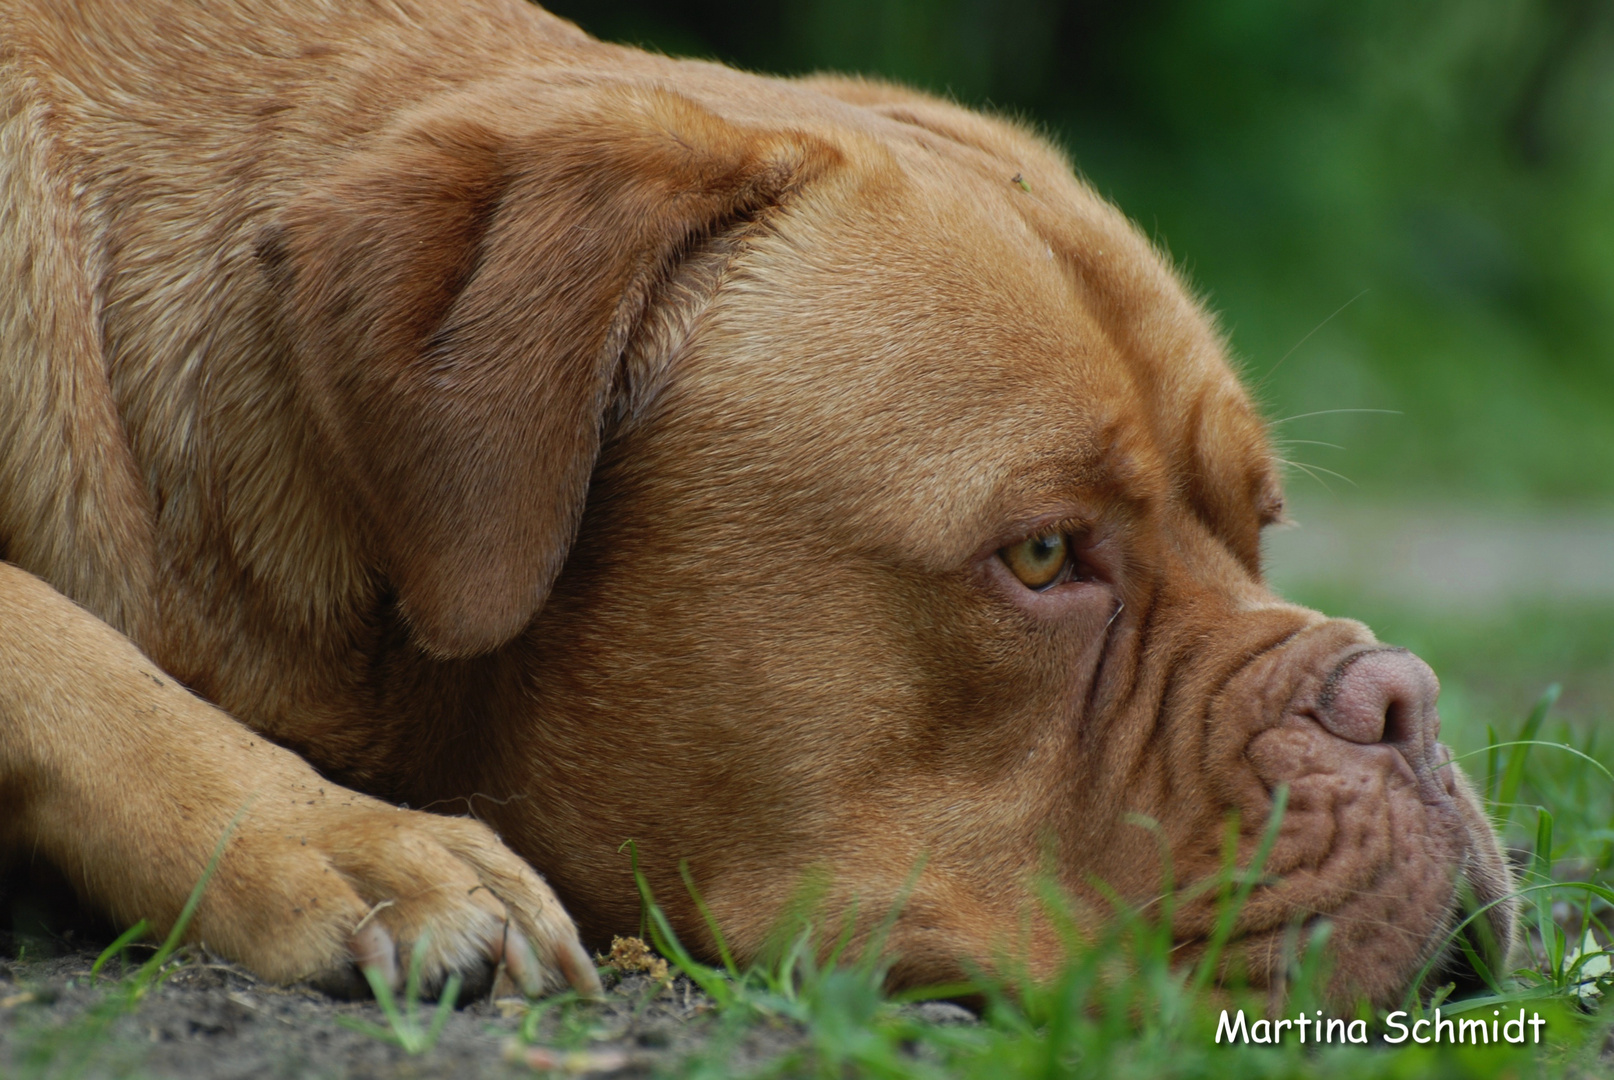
71, 1050
406, 1028
1122, 1008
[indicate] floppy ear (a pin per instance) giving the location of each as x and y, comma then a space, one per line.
459, 296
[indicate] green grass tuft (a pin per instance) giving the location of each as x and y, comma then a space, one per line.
69, 1051
406, 1028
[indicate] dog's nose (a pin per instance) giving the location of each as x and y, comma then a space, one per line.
1387, 695
1380, 695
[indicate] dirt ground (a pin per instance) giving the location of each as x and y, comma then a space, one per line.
212, 1019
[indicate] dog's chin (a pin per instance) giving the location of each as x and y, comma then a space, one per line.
1484, 918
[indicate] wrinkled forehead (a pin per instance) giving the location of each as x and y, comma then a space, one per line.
921, 352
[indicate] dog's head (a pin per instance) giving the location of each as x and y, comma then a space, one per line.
853, 490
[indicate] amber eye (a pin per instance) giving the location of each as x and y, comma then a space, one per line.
1039, 561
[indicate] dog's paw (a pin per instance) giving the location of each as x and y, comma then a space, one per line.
320, 888
129, 781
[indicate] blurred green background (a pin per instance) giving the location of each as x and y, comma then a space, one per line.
1445, 168
1392, 206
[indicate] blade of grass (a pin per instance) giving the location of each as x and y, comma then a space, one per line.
1513, 773
1228, 916
417, 961
1481, 968
149, 973
79, 1042
711, 980
711, 923
1493, 760
1602, 892
1593, 762
387, 1003
123, 941
403, 1024
1541, 871
445, 1009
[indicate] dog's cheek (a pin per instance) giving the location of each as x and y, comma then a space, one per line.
876, 718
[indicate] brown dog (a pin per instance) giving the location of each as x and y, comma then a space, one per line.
794, 477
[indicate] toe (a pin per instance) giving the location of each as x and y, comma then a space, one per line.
553, 958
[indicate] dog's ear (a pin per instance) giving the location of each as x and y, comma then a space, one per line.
458, 299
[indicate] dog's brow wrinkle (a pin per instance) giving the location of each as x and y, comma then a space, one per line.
1105, 666
1250, 658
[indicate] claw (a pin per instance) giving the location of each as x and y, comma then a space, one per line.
373, 950
522, 963
579, 969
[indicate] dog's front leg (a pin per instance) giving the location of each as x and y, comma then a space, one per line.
127, 783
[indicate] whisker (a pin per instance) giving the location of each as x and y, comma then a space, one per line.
1308, 337
1305, 469
1310, 442
1331, 412
1331, 472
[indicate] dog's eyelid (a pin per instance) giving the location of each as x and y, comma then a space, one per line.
1078, 528
1271, 507
1275, 512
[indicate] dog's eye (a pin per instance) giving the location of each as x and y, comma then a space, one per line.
1040, 561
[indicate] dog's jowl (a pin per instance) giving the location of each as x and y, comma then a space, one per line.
424, 404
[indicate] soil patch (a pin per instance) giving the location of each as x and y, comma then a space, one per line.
212, 1019
208, 1018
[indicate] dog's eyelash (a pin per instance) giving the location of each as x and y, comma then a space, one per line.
1075, 529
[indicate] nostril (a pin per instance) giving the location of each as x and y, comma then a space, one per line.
1395, 722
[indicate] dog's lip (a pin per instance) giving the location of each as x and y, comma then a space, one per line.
1442, 953
1436, 951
